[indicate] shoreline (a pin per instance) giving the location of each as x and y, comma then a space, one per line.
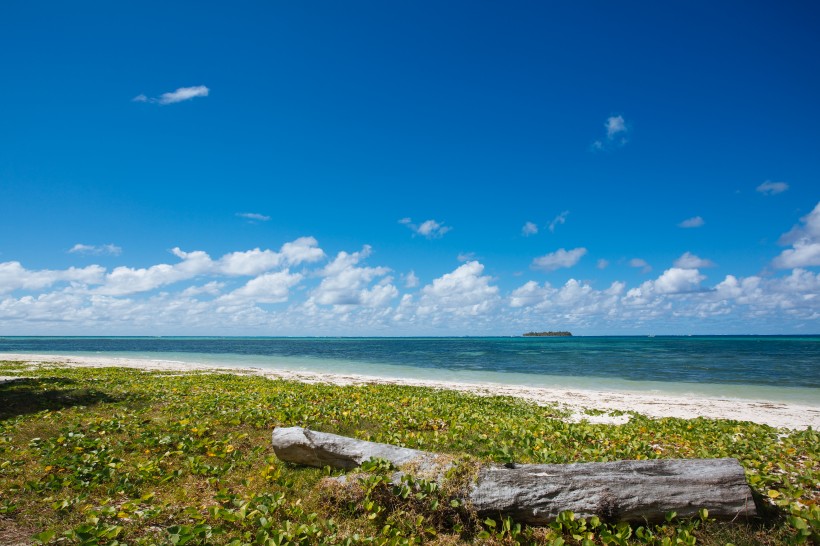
775, 414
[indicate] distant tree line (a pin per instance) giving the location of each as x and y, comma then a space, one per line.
548, 334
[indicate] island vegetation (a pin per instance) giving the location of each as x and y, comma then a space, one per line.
548, 334
116, 456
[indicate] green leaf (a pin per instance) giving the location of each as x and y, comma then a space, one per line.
44, 537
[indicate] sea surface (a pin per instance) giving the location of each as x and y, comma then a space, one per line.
773, 368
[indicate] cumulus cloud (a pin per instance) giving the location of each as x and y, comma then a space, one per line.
805, 242
13, 276
614, 126
126, 280
602, 263
529, 229
213, 288
180, 95
253, 216
673, 281
676, 280
558, 259
693, 222
345, 282
260, 291
429, 228
641, 264
560, 219
110, 249
267, 288
465, 256
616, 131
574, 296
303, 249
249, 262
464, 291
690, 261
776, 299
802, 255
809, 231
772, 188
411, 280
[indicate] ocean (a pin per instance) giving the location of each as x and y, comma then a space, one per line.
773, 368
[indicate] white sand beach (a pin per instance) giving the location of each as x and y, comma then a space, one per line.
775, 414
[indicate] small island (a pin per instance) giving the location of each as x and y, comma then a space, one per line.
548, 334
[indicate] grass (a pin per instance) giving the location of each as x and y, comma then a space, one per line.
120, 456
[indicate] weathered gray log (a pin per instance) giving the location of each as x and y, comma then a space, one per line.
614, 491
537, 493
320, 449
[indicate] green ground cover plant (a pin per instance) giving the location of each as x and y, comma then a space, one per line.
122, 456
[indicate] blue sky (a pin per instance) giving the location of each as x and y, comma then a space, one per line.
382, 168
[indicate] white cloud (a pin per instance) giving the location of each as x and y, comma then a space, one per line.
346, 283
771, 300
803, 254
429, 228
673, 281
560, 219
602, 263
809, 232
616, 131
528, 294
180, 95
13, 276
126, 280
213, 288
614, 126
465, 256
690, 261
249, 262
462, 292
558, 259
805, 242
575, 304
254, 262
267, 288
201, 295
529, 229
110, 249
772, 188
676, 280
253, 216
694, 222
640, 263
411, 280
303, 249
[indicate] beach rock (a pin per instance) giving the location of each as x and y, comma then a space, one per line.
537, 493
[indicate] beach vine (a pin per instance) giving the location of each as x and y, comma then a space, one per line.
123, 456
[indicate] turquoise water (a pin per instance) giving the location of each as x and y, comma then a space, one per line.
772, 368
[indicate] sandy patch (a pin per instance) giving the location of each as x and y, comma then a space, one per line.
792, 416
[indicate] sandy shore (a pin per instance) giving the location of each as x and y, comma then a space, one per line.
792, 416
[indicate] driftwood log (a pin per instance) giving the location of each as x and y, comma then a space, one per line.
536, 493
